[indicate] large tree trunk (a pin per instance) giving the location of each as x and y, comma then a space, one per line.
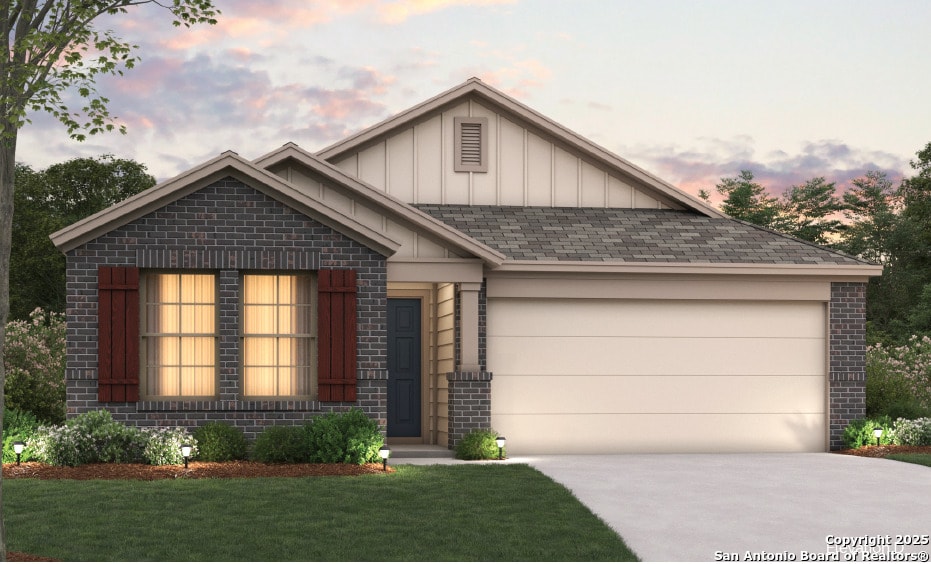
7, 177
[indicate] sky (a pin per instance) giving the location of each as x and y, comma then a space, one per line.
689, 90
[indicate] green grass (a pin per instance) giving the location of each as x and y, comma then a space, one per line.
924, 459
467, 512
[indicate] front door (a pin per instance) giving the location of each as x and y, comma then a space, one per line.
403, 367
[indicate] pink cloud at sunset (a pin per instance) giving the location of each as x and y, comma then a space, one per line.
401, 10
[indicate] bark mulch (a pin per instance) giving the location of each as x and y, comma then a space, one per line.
885, 450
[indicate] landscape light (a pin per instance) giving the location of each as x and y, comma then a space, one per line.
185, 453
877, 432
500, 441
384, 452
18, 447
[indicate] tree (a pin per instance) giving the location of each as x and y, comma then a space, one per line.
871, 208
49, 200
53, 47
810, 211
747, 200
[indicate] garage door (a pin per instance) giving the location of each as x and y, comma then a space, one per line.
594, 376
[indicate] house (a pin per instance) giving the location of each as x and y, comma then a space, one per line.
466, 263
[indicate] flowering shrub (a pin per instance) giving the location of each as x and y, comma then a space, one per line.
898, 379
34, 360
163, 445
912, 432
88, 438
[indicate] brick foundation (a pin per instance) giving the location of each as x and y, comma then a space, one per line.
469, 403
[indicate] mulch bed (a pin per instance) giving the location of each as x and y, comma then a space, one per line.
885, 450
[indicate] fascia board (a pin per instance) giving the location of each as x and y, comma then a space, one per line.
591, 267
227, 164
530, 116
390, 204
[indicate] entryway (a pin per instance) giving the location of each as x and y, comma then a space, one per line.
404, 368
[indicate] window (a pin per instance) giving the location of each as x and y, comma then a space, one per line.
279, 335
179, 339
471, 144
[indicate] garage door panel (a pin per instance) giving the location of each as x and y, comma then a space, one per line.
639, 433
650, 318
574, 394
645, 356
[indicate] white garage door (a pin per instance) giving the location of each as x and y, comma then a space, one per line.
594, 376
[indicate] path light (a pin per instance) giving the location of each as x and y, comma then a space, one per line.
18, 447
185, 453
877, 432
500, 441
384, 452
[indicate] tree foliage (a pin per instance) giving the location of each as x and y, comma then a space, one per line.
809, 211
49, 200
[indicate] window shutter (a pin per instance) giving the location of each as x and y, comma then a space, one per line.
117, 334
336, 358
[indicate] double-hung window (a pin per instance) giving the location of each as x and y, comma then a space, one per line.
179, 335
279, 342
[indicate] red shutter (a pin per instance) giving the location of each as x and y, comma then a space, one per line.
336, 355
117, 334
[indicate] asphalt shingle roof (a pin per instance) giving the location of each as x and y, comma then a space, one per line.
627, 235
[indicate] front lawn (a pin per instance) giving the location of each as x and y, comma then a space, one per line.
462, 512
914, 458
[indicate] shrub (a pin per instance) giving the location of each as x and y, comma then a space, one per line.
350, 437
478, 444
219, 442
19, 425
898, 379
913, 432
281, 444
860, 432
88, 438
34, 359
163, 445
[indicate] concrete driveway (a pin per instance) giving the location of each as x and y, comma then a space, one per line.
778, 507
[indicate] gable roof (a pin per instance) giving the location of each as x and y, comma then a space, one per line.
599, 235
397, 208
227, 164
522, 114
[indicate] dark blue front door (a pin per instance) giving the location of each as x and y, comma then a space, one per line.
403, 367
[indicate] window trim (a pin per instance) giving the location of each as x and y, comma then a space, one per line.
459, 163
314, 336
143, 334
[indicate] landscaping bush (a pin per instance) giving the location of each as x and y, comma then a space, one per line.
220, 442
88, 438
18, 425
163, 445
478, 445
912, 432
34, 359
281, 444
350, 437
860, 432
898, 381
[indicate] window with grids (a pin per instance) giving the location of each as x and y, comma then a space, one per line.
279, 335
179, 339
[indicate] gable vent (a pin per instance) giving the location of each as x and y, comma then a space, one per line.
471, 144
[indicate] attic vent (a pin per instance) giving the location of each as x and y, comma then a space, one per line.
471, 144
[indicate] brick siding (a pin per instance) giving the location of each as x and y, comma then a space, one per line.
226, 228
847, 358
469, 403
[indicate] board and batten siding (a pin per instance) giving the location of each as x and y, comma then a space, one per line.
416, 166
614, 376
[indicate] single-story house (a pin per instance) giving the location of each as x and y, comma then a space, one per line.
467, 263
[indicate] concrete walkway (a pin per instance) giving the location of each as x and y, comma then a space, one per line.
703, 507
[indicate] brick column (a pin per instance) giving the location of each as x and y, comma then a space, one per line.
469, 403
847, 377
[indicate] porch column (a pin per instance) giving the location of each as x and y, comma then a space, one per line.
468, 329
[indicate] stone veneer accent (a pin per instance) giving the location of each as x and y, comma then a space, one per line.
226, 228
847, 376
469, 403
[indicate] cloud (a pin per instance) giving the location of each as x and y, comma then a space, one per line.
401, 10
702, 167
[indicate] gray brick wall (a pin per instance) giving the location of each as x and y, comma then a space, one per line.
847, 377
226, 228
469, 403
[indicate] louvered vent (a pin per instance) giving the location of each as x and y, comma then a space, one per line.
471, 141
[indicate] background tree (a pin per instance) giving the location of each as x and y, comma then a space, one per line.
810, 211
53, 47
871, 209
746, 200
49, 200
